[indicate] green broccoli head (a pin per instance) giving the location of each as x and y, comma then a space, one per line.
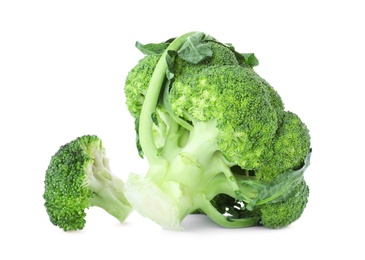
79, 177
246, 108
214, 133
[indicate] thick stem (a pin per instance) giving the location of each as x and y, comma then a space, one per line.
150, 201
108, 189
219, 185
112, 200
171, 146
151, 99
190, 165
166, 193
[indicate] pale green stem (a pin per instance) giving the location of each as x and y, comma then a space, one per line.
151, 99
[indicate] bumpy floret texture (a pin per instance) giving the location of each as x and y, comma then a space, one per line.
137, 82
282, 214
67, 169
243, 105
289, 146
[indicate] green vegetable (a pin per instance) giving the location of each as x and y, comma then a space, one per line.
216, 136
79, 177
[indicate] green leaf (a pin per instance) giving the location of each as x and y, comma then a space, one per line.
251, 59
244, 58
280, 189
195, 49
152, 48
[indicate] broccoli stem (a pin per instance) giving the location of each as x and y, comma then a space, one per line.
187, 165
221, 219
173, 140
151, 99
218, 185
108, 189
166, 193
112, 200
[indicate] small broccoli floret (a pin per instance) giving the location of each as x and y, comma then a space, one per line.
79, 177
282, 214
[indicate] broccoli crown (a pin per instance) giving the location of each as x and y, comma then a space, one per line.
77, 176
240, 102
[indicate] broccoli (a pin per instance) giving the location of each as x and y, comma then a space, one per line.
137, 83
217, 138
78, 177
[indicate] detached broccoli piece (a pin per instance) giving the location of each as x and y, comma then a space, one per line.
79, 177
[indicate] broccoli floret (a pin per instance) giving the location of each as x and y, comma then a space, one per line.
240, 103
281, 214
216, 135
137, 83
288, 148
79, 177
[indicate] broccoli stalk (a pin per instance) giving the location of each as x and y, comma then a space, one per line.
151, 100
79, 177
173, 189
107, 188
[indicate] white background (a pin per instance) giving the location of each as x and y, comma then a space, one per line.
62, 70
